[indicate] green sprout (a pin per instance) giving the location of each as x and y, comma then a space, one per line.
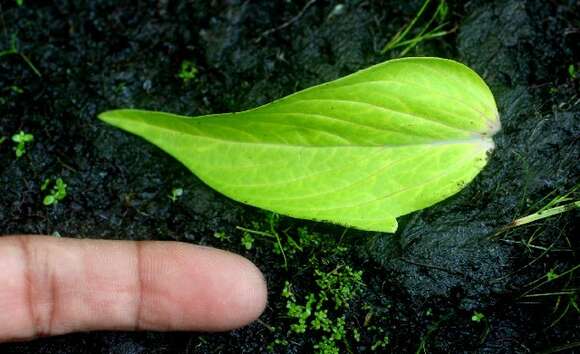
272, 221
220, 235
248, 240
188, 71
57, 193
16, 89
2, 139
551, 275
381, 343
45, 184
175, 194
572, 71
477, 317
21, 139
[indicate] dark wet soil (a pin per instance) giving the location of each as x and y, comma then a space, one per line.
423, 285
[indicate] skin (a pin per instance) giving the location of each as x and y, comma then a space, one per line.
52, 286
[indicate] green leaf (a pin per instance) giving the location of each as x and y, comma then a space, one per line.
49, 200
358, 151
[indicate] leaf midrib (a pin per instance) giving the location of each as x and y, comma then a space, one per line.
476, 139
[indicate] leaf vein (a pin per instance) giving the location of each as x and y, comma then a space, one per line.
408, 114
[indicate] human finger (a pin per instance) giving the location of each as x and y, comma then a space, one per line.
51, 286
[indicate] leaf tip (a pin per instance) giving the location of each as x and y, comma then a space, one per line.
109, 116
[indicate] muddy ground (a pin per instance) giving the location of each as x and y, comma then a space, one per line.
448, 281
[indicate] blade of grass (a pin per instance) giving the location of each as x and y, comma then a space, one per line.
542, 214
401, 34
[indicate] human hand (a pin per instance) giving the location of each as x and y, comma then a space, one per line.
51, 286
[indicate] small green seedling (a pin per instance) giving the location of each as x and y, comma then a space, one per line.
381, 343
57, 193
16, 89
572, 71
21, 139
248, 240
45, 184
477, 317
2, 139
175, 194
220, 235
19, 2
188, 71
358, 151
551, 275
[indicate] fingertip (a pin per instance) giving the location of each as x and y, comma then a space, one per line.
252, 293
199, 288
240, 295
